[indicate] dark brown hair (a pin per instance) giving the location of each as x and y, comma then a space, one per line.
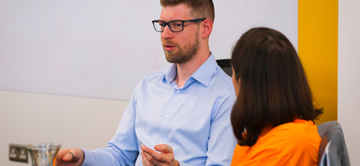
273, 86
199, 8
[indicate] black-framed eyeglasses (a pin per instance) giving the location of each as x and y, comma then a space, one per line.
174, 25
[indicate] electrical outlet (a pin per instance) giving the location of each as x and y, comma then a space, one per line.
18, 153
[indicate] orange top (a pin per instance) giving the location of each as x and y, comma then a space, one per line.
294, 143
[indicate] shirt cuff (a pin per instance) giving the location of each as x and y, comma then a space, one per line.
89, 157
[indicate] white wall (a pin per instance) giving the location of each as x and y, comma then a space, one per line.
101, 49
348, 76
70, 121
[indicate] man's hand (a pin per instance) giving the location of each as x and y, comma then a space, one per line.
164, 158
70, 157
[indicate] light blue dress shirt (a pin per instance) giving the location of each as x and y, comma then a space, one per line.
194, 119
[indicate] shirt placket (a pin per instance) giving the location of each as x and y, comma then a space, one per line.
166, 116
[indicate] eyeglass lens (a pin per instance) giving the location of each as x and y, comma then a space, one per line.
175, 26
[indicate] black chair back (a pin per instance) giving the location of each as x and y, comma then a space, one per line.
225, 64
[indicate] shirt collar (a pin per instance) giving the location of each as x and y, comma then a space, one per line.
203, 74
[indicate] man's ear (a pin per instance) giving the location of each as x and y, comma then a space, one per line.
207, 28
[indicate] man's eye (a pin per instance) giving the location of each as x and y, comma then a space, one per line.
175, 24
162, 24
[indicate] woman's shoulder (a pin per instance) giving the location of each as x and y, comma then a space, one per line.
299, 134
297, 127
294, 143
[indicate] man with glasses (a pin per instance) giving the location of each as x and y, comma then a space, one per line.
176, 116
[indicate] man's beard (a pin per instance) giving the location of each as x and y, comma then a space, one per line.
182, 55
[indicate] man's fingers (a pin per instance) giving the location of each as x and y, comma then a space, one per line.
151, 160
145, 159
68, 157
166, 157
150, 152
154, 157
163, 148
63, 154
71, 155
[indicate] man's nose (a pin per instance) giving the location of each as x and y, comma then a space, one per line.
167, 33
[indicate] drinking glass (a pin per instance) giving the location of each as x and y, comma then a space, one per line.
43, 154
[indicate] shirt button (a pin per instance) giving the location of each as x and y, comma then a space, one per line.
166, 116
178, 91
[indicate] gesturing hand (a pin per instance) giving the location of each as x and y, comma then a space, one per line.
70, 157
164, 158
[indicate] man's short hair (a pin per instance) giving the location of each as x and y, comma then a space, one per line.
199, 8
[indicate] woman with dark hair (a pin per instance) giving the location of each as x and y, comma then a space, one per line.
273, 116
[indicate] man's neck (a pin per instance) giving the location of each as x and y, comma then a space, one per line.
184, 71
